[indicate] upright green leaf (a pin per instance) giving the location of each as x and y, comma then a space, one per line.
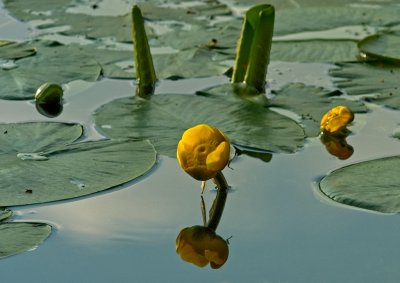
254, 47
145, 72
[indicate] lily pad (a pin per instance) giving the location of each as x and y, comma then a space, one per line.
14, 50
18, 237
314, 51
370, 78
372, 185
163, 118
57, 63
385, 47
289, 21
42, 162
4, 214
311, 103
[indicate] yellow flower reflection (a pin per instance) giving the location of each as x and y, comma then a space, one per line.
337, 146
200, 245
203, 151
336, 120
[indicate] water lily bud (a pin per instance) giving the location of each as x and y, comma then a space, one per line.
336, 120
201, 245
49, 93
203, 151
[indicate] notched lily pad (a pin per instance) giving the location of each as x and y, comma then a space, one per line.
311, 103
384, 47
18, 237
58, 63
4, 213
163, 118
15, 50
314, 51
370, 78
42, 162
372, 185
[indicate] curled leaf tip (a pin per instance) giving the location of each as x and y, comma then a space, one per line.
336, 119
203, 151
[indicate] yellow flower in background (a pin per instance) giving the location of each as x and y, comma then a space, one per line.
336, 119
203, 151
201, 245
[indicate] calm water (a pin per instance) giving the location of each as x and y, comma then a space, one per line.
282, 229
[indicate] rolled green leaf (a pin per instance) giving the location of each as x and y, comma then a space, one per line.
254, 47
145, 73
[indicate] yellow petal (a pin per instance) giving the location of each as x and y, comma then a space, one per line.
203, 151
219, 158
336, 119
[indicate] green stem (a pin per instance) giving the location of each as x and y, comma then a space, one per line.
254, 47
145, 73
219, 203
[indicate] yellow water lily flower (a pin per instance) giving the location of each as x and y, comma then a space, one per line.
200, 245
336, 119
203, 151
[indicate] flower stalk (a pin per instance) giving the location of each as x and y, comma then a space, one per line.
219, 203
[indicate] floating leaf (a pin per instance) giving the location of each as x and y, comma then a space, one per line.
289, 21
383, 47
163, 118
58, 63
13, 50
370, 78
372, 185
18, 237
314, 51
4, 213
40, 163
308, 102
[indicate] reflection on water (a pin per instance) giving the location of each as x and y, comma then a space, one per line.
337, 146
50, 110
201, 245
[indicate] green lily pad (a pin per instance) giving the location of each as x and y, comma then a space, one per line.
18, 237
385, 47
14, 50
57, 63
4, 214
372, 185
163, 118
311, 103
314, 51
370, 78
42, 162
289, 21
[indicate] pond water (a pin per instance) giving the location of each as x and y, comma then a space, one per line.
281, 228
